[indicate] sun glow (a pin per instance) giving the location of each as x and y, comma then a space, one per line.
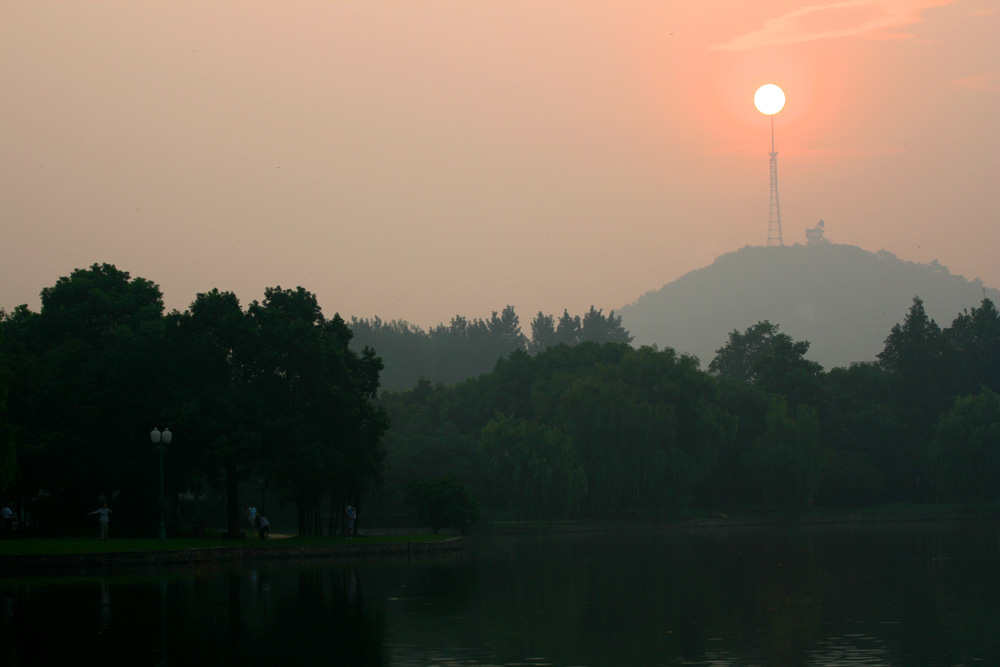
769, 99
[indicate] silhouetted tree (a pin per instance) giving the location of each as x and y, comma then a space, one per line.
738, 358
321, 427
405, 350
543, 333
975, 337
211, 348
568, 329
597, 328
96, 350
10, 367
764, 356
919, 357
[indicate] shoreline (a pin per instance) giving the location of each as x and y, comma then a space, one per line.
721, 520
14, 563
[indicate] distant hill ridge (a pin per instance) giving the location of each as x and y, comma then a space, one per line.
842, 299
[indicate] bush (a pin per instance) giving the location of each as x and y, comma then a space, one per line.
442, 503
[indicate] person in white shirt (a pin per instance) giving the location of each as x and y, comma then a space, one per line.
102, 516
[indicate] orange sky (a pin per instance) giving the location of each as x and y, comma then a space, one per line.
419, 160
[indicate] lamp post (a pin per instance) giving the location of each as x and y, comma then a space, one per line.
161, 440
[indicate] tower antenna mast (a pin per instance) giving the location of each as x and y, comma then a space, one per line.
774, 215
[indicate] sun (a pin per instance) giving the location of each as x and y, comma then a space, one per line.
769, 99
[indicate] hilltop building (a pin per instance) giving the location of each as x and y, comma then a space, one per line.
814, 236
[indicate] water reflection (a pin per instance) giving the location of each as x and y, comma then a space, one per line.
918, 596
105, 615
163, 623
859, 650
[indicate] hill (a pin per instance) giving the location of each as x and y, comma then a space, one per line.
842, 299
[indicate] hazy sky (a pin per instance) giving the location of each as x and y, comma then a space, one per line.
419, 160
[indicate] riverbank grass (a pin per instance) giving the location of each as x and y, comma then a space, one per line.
73, 545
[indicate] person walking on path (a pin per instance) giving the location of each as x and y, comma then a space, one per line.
102, 516
265, 527
351, 516
252, 516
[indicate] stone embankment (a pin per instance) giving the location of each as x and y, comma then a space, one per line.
227, 554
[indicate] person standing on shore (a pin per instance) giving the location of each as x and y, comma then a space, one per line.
351, 516
7, 516
102, 516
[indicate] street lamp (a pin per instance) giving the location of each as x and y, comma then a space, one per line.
161, 440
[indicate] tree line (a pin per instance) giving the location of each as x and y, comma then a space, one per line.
271, 390
466, 348
571, 422
608, 430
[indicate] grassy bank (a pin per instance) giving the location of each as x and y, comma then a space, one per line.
876, 514
73, 545
892, 513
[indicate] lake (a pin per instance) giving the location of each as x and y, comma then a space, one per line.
906, 594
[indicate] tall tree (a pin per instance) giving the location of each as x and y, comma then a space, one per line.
568, 329
923, 363
98, 305
975, 337
597, 328
404, 348
322, 428
543, 333
783, 369
210, 346
505, 333
8, 444
738, 358
764, 356
98, 340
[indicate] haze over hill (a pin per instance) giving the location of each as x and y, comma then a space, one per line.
842, 299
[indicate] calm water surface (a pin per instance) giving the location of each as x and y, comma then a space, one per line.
906, 595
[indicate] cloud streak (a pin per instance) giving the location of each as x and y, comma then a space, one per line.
874, 19
988, 81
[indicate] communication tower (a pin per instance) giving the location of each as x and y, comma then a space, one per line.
774, 217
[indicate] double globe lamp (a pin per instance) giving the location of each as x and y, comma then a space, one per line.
161, 440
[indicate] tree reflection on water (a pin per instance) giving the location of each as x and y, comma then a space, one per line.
912, 595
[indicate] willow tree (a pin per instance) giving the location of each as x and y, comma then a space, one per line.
965, 452
531, 469
786, 460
